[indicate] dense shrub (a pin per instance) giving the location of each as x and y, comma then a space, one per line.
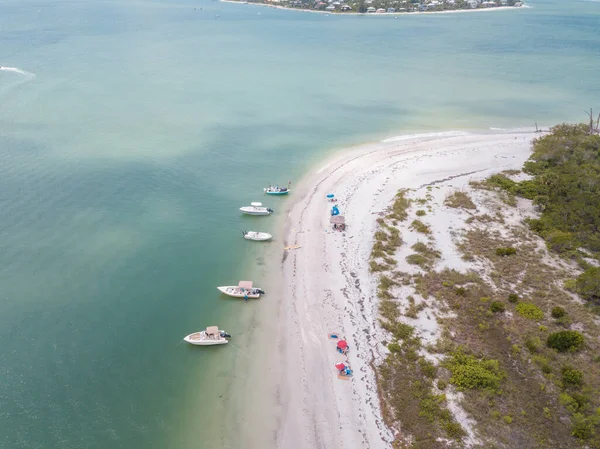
469, 372
571, 376
559, 241
513, 297
461, 291
529, 311
497, 306
558, 312
565, 341
588, 284
508, 251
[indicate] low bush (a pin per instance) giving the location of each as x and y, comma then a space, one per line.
421, 227
513, 297
418, 259
564, 341
588, 284
558, 312
460, 199
529, 311
508, 251
469, 372
421, 213
571, 377
534, 344
461, 291
497, 307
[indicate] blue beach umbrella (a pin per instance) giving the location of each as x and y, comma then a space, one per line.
331, 195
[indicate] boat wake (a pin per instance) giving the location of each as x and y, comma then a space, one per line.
24, 76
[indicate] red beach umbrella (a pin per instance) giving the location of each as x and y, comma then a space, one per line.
340, 366
342, 344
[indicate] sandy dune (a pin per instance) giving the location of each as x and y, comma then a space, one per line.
327, 286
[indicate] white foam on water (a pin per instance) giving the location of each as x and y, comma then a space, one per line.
25, 76
416, 136
17, 70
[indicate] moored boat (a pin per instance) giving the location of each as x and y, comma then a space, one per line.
209, 337
257, 236
243, 290
276, 190
256, 208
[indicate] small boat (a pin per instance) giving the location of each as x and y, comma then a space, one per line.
209, 337
276, 190
257, 236
256, 208
243, 290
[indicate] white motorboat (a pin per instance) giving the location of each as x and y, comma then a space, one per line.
209, 337
243, 290
257, 236
276, 190
256, 208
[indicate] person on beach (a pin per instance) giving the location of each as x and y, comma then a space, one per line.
246, 296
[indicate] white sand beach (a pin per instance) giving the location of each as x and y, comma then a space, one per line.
327, 286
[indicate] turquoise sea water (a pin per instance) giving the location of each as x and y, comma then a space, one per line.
133, 130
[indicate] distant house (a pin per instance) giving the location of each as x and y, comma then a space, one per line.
504, 2
320, 5
371, 9
336, 3
517, 4
380, 10
391, 10
472, 4
346, 8
330, 8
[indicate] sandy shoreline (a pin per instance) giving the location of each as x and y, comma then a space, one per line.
295, 399
384, 14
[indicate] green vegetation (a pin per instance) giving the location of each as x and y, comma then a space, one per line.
460, 199
470, 372
564, 341
558, 312
529, 311
497, 306
565, 166
588, 284
571, 376
420, 213
421, 227
508, 251
513, 297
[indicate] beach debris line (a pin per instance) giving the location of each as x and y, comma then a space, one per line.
287, 248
